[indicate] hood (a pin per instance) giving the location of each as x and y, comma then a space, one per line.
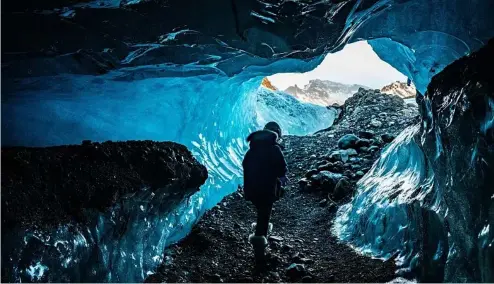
262, 136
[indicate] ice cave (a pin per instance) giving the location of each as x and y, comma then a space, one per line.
77, 73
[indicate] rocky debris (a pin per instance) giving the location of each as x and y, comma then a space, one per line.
348, 141
325, 180
370, 112
343, 188
54, 185
296, 271
376, 123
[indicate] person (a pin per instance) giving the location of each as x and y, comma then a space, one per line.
265, 172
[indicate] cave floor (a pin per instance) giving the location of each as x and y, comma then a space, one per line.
217, 249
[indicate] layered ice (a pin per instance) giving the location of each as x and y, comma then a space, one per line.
429, 202
189, 71
211, 114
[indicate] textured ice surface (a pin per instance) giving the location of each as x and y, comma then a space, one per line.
429, 200
105, 250
169, 76
211, 114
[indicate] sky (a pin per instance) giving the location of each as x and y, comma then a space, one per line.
357, 63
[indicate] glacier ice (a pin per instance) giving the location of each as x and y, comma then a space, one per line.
211, 114
83, 72
428, 201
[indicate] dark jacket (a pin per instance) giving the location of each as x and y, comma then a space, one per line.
263, 165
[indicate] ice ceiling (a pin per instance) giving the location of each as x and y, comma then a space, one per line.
188, 71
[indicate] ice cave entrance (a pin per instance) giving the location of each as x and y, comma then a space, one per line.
302, 103
341, 74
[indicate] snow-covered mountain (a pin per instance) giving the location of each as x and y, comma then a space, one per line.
324, 92
400, 89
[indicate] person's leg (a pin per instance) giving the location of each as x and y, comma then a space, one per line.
263, 215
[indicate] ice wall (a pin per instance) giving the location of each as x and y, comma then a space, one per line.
429, 200
421, 37
212, 114
294, 117
184, 70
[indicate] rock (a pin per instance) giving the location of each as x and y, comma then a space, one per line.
325, 167
326, 180
364, 149
387, 138
275, 238
274, 274
303, 183
376, 123
286, 247
351, 152
347, 141
342, 189
323, 202
310, 173
363, 143
368, 134
383, 115
342, 155
308, 279
335, 156
373, 148
377, 141
359, 173
296, 271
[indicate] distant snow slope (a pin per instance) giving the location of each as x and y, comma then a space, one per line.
323, 92
295, 117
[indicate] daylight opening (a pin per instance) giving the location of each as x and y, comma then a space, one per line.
340, 75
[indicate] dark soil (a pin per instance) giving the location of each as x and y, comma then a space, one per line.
217, 249
48, 186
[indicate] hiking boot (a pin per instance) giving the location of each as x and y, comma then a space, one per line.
270, 227
259, 244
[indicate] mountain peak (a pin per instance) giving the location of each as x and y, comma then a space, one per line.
323, 92
400, 89
267, 84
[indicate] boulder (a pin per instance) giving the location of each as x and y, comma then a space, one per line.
373, 149
376, 123
351, 152
363, 143
368, 134
310, 173
326, 180
303, 183
342, 155
343, 188
377, 141
348, 141
363, 149
296, 271
387, 138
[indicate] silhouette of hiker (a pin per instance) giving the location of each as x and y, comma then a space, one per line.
264, 175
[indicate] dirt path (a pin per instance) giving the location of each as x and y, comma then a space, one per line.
217, 250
